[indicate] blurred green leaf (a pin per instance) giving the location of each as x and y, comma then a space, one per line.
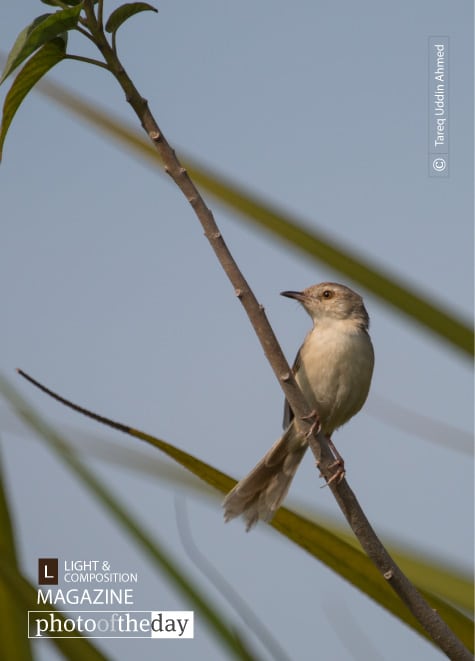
415, 423
14, 644
124, 12
348, 562
449, 582
43, 29
319, 245
434, 576
294, 231
24, 595
34, 69
159, 556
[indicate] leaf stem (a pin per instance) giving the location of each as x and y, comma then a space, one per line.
88, 60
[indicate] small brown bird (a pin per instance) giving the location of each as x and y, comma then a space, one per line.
333, 368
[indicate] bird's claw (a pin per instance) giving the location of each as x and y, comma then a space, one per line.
339, 464
339, 474
315, 426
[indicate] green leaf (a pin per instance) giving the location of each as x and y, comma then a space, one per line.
24, 596
319, 245
449, 582
15, 645
13, 59
124, 12
350, 563
51, 53
314, 243
42, 30
162, 559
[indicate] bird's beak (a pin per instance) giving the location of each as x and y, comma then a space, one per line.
298, 295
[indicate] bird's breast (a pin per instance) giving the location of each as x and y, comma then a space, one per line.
335, 373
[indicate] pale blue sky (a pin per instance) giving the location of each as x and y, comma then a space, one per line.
111, 295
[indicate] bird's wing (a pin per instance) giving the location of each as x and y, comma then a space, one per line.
288, 413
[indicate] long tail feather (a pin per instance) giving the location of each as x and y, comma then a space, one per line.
260, 494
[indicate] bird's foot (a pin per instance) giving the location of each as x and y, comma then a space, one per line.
339, 473
315, 426
338, 464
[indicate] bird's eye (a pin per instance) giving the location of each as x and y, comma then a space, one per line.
327, 293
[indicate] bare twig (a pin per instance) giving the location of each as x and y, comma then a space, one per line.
428, 618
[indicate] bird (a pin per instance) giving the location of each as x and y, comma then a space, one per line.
333, 368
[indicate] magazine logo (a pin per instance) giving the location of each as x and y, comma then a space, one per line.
77, 576
93, 584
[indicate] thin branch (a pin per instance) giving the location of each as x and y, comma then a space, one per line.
428, 618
